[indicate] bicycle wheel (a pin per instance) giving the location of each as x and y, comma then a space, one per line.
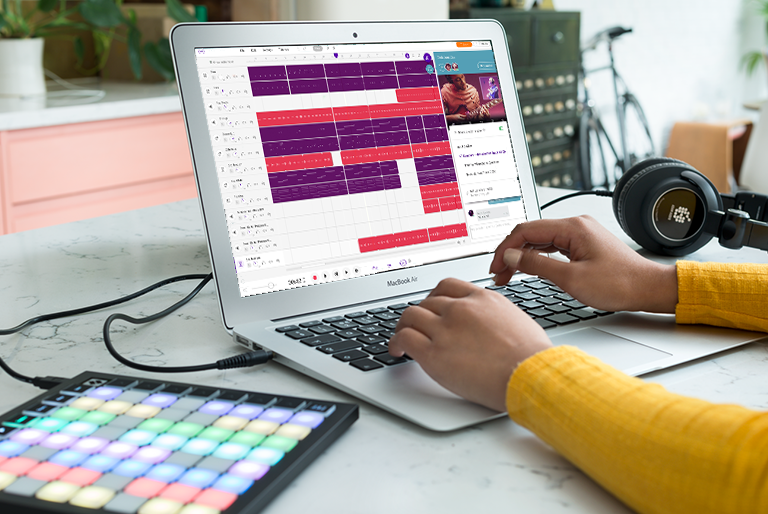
639, 141
594, 169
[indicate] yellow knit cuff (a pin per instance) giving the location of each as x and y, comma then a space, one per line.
725, 295
530, 368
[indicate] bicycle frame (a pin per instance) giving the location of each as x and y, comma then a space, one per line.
591, 121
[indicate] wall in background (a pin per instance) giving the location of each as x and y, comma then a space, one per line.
682, 61
340, 10
371, 9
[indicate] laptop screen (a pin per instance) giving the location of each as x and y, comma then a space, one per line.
340, 161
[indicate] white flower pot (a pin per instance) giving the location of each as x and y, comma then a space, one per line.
21, 67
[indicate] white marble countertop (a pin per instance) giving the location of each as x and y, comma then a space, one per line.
382, 464
112, 100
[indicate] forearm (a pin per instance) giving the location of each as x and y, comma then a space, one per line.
656, 287
656, 451
726, 295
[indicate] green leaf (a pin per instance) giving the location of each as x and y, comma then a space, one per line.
15, 23
23, 27
59, 23
55, 27
177, 12
46, 5
79, 50
102, 13
751, 61
134, 51
763, 8
159, 57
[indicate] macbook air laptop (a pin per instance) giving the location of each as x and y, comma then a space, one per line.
344, 169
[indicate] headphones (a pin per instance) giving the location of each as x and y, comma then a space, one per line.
669, 208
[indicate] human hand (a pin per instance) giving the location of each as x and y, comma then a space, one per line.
456, 118
603, 272
469, 340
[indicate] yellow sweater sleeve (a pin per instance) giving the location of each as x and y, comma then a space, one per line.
726, 295
656, 451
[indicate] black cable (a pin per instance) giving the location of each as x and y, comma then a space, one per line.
14, 374
82, 310
598, 192
238, 361
104, 305
242, 360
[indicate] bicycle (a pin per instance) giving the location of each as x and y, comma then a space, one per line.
593, 138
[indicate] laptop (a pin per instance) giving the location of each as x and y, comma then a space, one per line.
343, 169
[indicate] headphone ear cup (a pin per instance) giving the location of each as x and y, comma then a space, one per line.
646, 183
624, 186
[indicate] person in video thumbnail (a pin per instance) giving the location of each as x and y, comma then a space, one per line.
493, 89
461, 100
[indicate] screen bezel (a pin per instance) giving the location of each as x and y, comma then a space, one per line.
235, 309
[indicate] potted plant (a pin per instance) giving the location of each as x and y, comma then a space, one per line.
23, 28
158, 53
752, 60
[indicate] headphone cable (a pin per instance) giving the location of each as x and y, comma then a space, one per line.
598, 192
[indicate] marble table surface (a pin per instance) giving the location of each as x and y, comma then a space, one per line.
92, 100
382, 464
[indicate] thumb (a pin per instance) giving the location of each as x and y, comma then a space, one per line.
534, 263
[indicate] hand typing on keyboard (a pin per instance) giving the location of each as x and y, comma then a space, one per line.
603, 272
470, 339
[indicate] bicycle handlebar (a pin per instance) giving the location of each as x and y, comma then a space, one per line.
608, 34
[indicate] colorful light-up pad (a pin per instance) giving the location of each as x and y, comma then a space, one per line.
120, 445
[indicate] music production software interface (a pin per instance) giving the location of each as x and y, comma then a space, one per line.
336, 162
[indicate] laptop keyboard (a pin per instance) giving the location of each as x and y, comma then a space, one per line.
360, 338
547, 304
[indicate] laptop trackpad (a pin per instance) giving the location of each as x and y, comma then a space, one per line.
617, 351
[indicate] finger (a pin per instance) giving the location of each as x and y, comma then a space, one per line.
436, 304
511, 260
418, 319
409, 341
452, 287
508, 272
533, 262
539, 233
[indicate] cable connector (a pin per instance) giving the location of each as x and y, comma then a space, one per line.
47, 382
245, 360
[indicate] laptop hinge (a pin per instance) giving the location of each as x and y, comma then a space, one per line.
354, 305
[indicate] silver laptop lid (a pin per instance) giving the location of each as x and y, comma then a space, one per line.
337, 163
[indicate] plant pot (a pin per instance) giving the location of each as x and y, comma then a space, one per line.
21, 67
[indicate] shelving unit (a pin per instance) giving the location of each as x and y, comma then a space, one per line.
544, 47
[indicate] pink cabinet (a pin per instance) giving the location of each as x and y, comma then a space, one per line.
64, 173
